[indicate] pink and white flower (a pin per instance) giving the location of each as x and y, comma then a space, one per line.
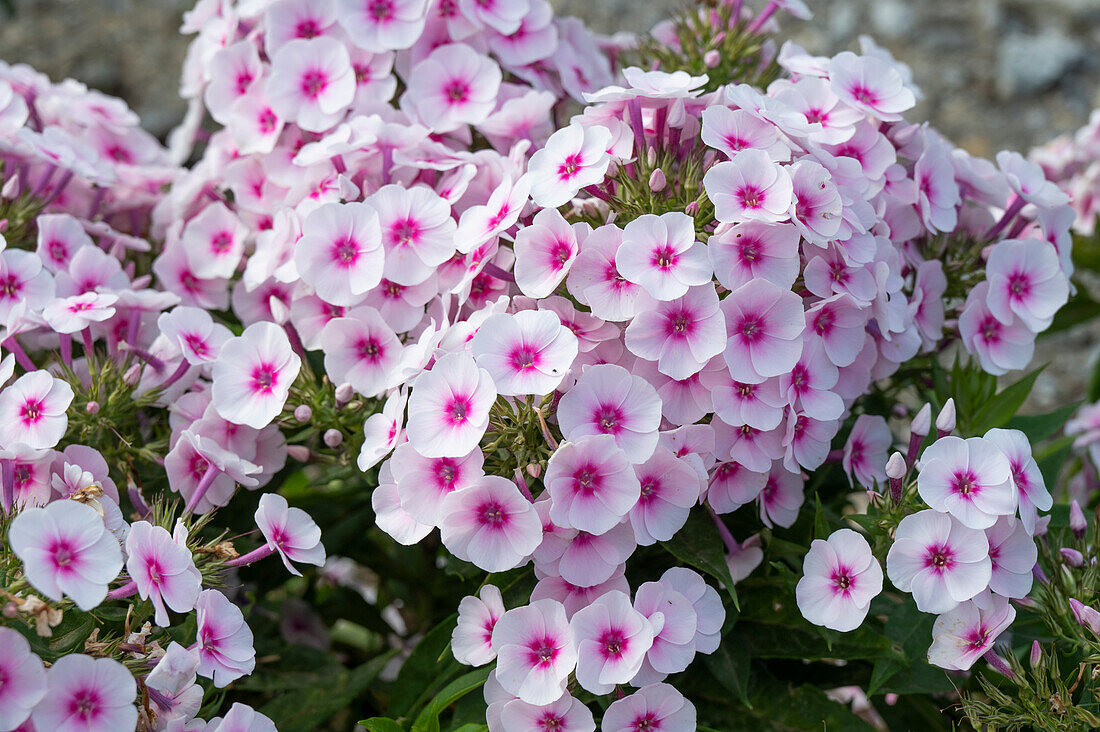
591, 485
195, 333
418, 232
612, 639
535, 651
545, 252
382, 25
669, 488
340, 254
214, 242
660, 253
733, 130
423, 483
163, 570
970, 479
609, 400
453, 86
753, 250
938, 559
449, 407
223, 639
33, 410
66, 550
681, 335
1013, 554
290, 532
24, 679
750, 187
529, 352
361, 350
574, 157
865, 452
85, 693
564, 715
60, 236
963, 635
841, 577
654, 707
870, 85
75, 313
1026, 282
595, 279
1000, 347
252, 375
312, 82
472, 638
764, 325
490, 524
1031, 491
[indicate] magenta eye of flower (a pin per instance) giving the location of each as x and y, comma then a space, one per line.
544, 651
747, 431
345, 251
447, 472
370, 349
799, 377
990, 329
649, 487
864, 95
62, 555
664, 257
586, 479
750, 251
614, 644
491, 514
939, 558
57, 251
824, 322
736, 143
458, 410
750, 328
1019, 285
313, 83
31, 411
746, 390
196, 344
843, 581
264, 378
457, 91
381, 9
570, 166
751, 197
560, 254
268, 120
308, 29
404, 231
965, 483
607, 419
221, 241
23, 475
392, 289
85, 704
816, 115
680, 323
10, 286
523, 358
551, 722
646, 723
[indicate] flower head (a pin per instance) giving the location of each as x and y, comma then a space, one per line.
963, 635
535, 651
938, 559
85, 693
449, 407
24, 679
490, 524
252, 375
841, 577
591, 485
612, 640
526, 353
163, 570
33, 410
574, 157
223, 639
289, 531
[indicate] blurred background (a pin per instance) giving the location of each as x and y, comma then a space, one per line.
995, 74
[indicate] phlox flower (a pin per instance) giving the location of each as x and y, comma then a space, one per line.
609, 400
60, 236
928, 290
361, 350
595, 279
1027, 180
382, 25
1031, 490
205, 473
732, 485
938, 193
535, 651
760, 406
91, 270
453, 86
840, 323
782, 496
24, 679
241, 718
33, 410
223, 639
418, 232
23, 279
472, 638
583, 559
545, 252
563, 715
938, 559
289, 19
750, 187
970, 479
174, 273
574, 157
449, 407
85, 693
480, 224
674, 645
871, 85
503, 16
752, 250
1013, 554
66, 550
234, 70
383, 431
1026, 282
733, 130
840, 578
669, 488
709, 611
214, 242
963, 635
1000, 347
173, 678
252, 375
526, 353
660, 253
809, 385
764, 325
681, 335
816, 210
340, 254
388, 514
612, 639
423, 483
194, 332
591, 485
654, 707
865, 452
290, 532
163, 570
75, 313
572, 596
490, 524
312, 82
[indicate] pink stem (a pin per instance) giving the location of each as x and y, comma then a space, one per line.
253, 556
200, 490
128, 589
761, 19
1014, 207
21, 356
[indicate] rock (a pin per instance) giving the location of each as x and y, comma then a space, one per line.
1029, 64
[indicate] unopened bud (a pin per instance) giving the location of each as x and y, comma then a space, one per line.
344, 394
1041, 525
132, 375
333, 438
10, 190
10, 609
303, 413
895, 471
712, 58
1036, 654
657, 180
945, 422
1072, 557
298, 452
1077, 519
92, 407
692, 208
651, 155
534, 470
922, 423
1085, 615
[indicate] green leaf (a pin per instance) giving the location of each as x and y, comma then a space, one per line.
821, 521
699, 545
428, 720
1039, 427
422, 670
472, 728
68, 636
910, 632
997, 411
730, 665
381, 724
306, 708
1052, 457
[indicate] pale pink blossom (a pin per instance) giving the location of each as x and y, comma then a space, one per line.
865, 452
591, 485
1013, 554
361, 350
164, 571
213, 242
23, 280
312, 82
732, 485
970, 479
453, 86
252, 375
782, 496
472, 638
33, 410
764, 324
752, 250
816, 210
195, 333
938, 193
1031, 491
418, 232
340, 254
574, 157
241, 718
963, 635
612, 639
681, 335
709, 612
483, 223
87, 694
583, 559
75, 313
529, 352
938, 559
535, 651
750, 187
563, 715
840, 323
423, 483
383, 431
654, 707
24, 679
449, 407
871, 85
290, 532
388, 514
595, 279
490, 524
60, 236
1000, 347
660, 253
733, 130
609, 400
382, 25
669, 488
673, 647
841, 577
1026, 282
545, 252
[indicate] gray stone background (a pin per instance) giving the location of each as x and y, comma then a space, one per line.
995, 73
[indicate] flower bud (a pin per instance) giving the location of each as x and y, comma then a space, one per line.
945, 422
1036, 653
657, 180
132, 375
895, 471
922, 423
92, 407
712, 58
333, 438
303, 413
1077, 519
10, 190
298, 452
1085, 615
534, 470
692, 208
1041, 525
651, 155
1072, 557
344, 394
10, 609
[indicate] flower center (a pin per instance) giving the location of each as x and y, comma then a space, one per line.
458, 410
346, 251
313, 83
381, 9
221, 242
751, 197
457, 91
492, 515
264, 378
570, 166
31, 412
614, 644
